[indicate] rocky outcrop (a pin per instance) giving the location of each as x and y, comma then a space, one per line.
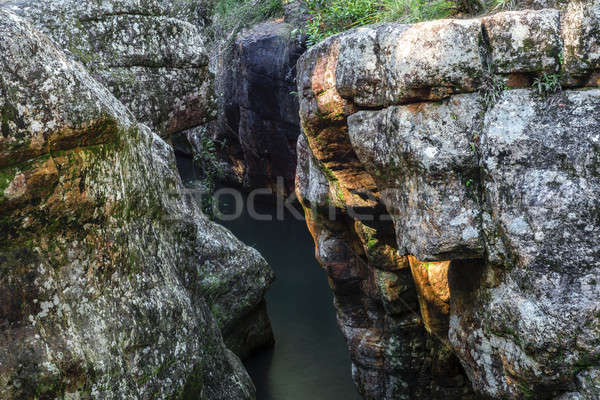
261, 108
150, 54
452, 190
259, 122
105, 264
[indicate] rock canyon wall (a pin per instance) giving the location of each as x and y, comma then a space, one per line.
258, 112
112, 283
450, 175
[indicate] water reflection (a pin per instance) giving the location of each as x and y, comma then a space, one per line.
310, 360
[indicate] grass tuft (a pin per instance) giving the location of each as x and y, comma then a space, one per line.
231, 16
328, 17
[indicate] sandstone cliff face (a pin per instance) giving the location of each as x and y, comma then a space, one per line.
455, 208
105, 264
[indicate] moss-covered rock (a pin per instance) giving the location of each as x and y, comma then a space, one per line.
102, 256
150, 54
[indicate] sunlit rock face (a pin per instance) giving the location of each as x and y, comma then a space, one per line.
108, 273
150, 54
455, 207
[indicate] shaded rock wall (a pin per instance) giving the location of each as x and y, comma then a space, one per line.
259, 121
105, 264
260, 105
454, 207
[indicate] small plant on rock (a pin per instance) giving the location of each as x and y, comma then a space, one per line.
491, 89
207, 161
498, 5
546, 84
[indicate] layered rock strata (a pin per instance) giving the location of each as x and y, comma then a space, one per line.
452, 188
105, 263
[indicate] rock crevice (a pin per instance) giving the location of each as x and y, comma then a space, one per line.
111, 279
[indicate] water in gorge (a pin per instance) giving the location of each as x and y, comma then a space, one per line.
310, 359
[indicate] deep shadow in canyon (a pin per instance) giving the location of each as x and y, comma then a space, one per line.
310, 359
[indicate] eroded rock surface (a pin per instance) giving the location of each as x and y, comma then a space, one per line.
258, 122
105, 264
150, 54
454, 207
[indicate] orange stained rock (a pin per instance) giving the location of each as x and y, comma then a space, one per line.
32, 181
517, 80
380, 254
431, 280
94, 132
323, 77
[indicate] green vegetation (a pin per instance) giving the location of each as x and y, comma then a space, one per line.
231, 16
212, 171
328, 173
491, 89
6, 177
498, 5
526, 390
546, 84
329, 17
159, 370
372, 243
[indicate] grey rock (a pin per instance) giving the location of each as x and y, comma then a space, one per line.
580, 32
524, 41
149, 53
541, 183
517, 171
425, 162
103, 267
311, 184
393, 63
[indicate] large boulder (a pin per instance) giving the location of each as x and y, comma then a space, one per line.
456, 214
538, 323
151, 54
105, 264
393, 63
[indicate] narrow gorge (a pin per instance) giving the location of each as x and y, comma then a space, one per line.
234, 200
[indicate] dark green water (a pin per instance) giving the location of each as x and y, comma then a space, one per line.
309, 360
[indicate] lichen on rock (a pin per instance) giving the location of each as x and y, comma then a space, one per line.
488, 199
102, 261
150, 54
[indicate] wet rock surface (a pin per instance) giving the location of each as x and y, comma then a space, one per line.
109, 274
457, 220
